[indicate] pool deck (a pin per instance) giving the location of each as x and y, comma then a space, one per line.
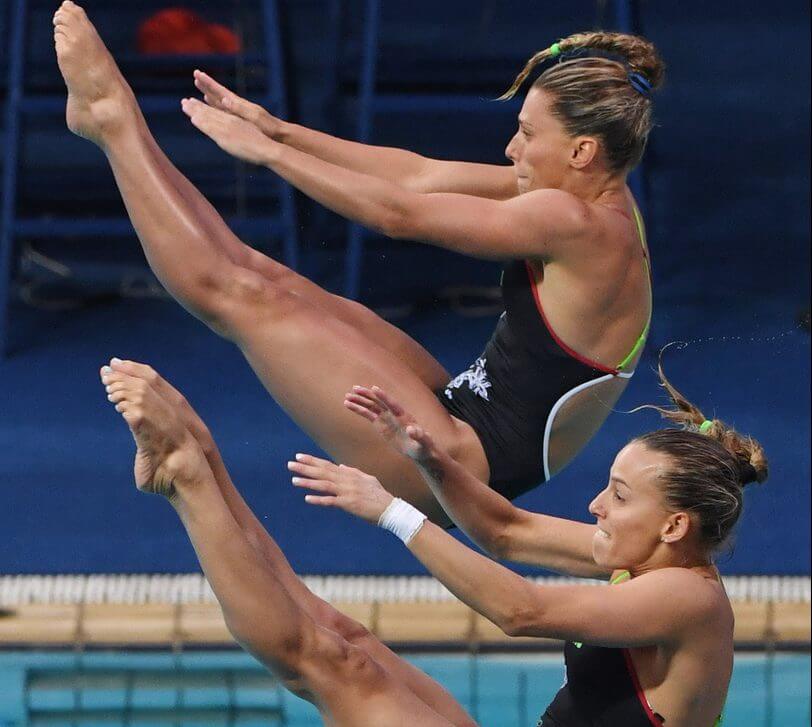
413, 624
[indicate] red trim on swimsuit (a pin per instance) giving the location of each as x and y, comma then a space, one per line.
637, 688
577, 356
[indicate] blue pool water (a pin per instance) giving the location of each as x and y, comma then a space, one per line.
501, 691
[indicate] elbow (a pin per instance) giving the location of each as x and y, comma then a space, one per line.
395, 224
499, 544
397, 216
521, 618
523, 614
516, 622
505, 533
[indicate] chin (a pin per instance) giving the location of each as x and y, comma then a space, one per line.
605, 558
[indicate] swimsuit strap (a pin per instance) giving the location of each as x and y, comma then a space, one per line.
620, 577
641, 341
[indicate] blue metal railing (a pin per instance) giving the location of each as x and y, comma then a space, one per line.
20, 106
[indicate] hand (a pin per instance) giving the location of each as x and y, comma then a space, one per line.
392, 422
350, 489
232, 134
219, 97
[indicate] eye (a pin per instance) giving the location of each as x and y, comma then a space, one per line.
617, 496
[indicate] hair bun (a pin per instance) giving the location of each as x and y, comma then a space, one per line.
747, 473
754, 466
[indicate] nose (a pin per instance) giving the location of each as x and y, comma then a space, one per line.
511, 148
596, 506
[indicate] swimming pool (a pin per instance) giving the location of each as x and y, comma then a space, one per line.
229, 688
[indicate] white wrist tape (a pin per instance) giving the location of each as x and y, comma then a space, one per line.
401, 519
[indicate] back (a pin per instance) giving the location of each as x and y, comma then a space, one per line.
599, 301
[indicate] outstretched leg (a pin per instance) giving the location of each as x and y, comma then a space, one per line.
347, 685
74, 37
306, 355
427, 368
321, 612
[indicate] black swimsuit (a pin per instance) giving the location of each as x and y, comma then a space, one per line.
511, 394
602, 690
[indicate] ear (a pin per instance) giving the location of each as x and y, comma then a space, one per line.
676, 528
583, 151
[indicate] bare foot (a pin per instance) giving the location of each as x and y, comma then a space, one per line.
166, 453
187, 415
98, 96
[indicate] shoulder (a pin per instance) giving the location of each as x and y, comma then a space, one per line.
693, 594
585, 223
571, 208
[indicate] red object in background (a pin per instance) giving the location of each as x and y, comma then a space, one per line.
177, 31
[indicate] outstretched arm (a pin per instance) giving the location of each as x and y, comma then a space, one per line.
541, 224
399, 166
630, 614
494, 523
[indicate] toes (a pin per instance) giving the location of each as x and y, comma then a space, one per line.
121, 387
109, 376
136, 370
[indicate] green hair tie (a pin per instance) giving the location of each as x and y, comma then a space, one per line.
705, 426
555, 50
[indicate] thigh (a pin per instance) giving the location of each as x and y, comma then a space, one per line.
355, 314
308, 360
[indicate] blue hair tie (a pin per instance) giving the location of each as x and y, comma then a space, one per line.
640, 83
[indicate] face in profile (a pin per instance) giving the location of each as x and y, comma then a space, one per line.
540, 149
631, 511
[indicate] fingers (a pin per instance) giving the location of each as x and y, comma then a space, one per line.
420, 435
380, 398
323, 486
209, 87
361, 409
220, 97
313, 467
204, 118
309, 459
370, 398
364, 401
211, 121
359, 396
192, 107
386, 400
363, 405
323, 500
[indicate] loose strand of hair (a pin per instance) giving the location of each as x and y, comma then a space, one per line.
534, 61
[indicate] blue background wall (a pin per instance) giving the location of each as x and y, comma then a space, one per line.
728, 216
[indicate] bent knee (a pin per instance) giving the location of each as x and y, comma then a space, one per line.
347, 628
328, 661
240, 299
